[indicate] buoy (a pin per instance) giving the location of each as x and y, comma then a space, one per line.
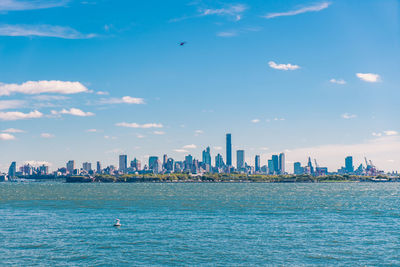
117, 223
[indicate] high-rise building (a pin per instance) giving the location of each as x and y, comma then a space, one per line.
240, 159
257, 163
123, 163
297, 168
12, 170
349, 164
229, 149
153, 163
275, 161
136, 164
71, 167
219, 161
188, 163
165, 159
169, 166
310, 166
98, 167
282, 163
87, 166
270, 166
207, 156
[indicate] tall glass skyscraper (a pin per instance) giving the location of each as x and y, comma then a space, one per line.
349, 164
257, 166
240, 159
282, 163
275, 162
228, 149
123, 163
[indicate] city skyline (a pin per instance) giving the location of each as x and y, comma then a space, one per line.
310, 79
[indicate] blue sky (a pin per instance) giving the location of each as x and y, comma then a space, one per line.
88, 80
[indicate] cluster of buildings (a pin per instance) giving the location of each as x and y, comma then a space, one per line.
274, 166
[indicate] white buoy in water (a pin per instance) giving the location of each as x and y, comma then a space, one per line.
117, 223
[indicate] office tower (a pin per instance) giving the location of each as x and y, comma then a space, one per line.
240, 159
136, 164
188, 163
270, 166
282, 163
165, 159
257, 164
153, 163
123, 163
275, 161
98, 167
43, 170
87, 166
12, 170
310, 166
219, 161
229, 149
349, 164
297, 168
169, 166
71, 166
207, 156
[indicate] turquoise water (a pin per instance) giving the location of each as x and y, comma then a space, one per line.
200, 224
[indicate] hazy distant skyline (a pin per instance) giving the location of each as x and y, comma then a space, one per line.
89, 80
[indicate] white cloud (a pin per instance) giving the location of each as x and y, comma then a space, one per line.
289, 66
136, 125
234, 11
199, 131
13, 130
46, 135
159, 132
376, 134
43, 31
16, 5
6, 136
140, 136
264, 148
92, 130
390, 133
255, 121
49, 97
340, 81
192, 146
313, 8
369, 77
16, 115
218, 147
11, 104
73, 112
181, 150
123, 100
40, 87
110, 137
101, 93
227, 34
36, 163
348, 116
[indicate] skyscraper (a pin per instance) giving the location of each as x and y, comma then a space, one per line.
349, 164
229, 149
71, 166
240, 159
136, 164
153, 161
207, 156
12, 170
297, 168
275, 162
219, 161
123, 163
270, 166
257, 166
87, 166
188, 163
98, 167
282, 163
310, 166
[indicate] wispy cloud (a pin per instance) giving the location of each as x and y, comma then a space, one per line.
192, 146
227, 34
369, 77
16, 115
10, 104
92, 130
179, 150
136, 125
47, 135
391, 133
313, 8
17, 5
158, 132
339, 81
123, 100
348, 116
255, 120
13, 130
289, 66
40, 87
6, 136
73, 112
43, 31
234, 11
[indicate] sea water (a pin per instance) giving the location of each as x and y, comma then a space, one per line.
200, 224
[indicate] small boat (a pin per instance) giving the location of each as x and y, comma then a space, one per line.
117, 223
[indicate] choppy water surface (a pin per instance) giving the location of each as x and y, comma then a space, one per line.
200, 224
